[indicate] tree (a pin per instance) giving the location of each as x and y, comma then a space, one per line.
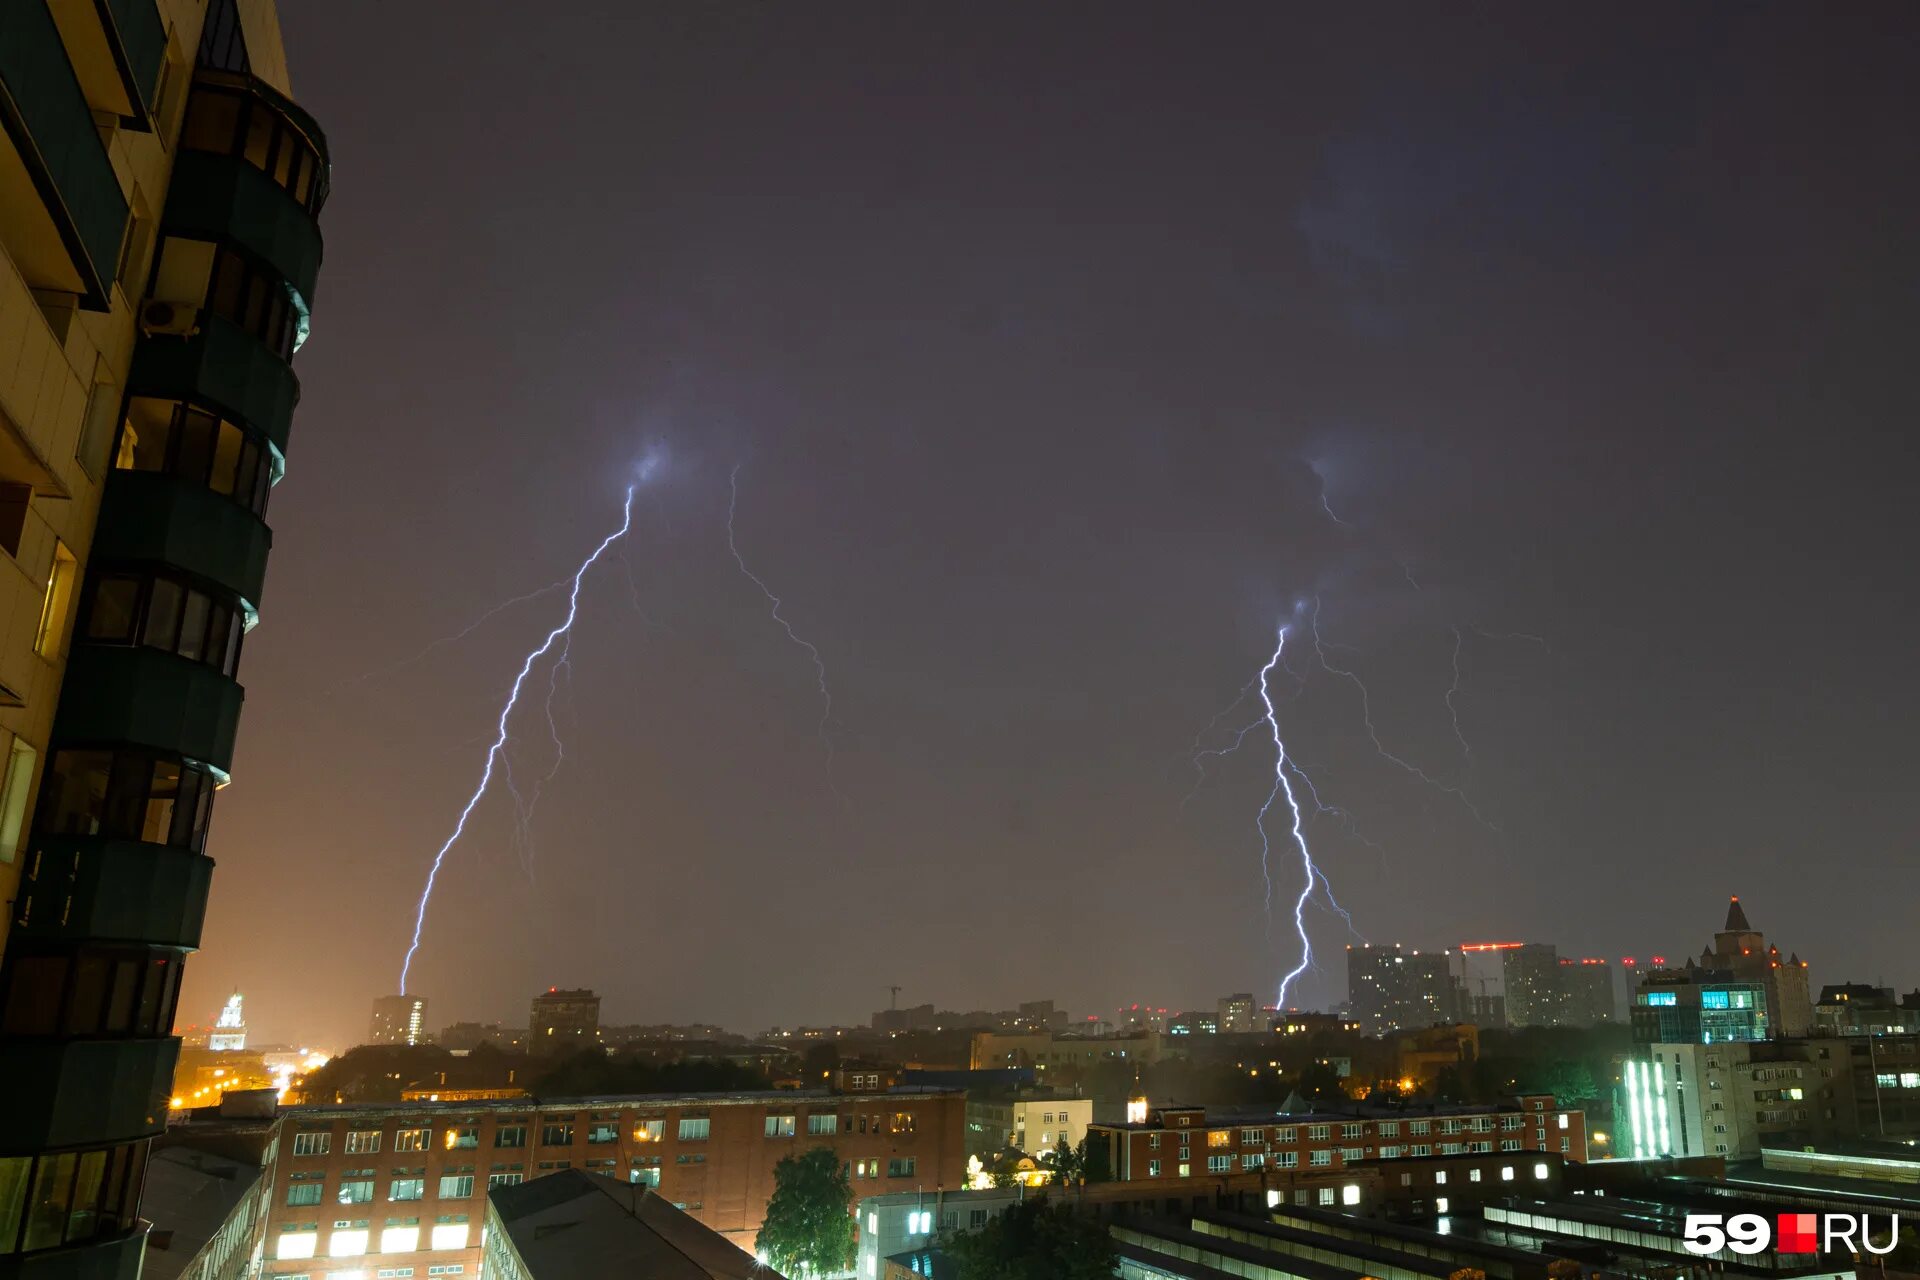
1570, 1083
1069, 1164
809, 1228
1035, 1240
1096, 1161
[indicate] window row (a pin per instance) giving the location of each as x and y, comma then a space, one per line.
68, 1198
257, 299
231, 123
352, 1239
563, 1133
128, 608
127, 795
200, 447
109, 992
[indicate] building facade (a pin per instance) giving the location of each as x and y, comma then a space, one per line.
1240, 1015
398, 1020
1195, 1142
1743, 951
360, 1188
1545, 989
1859, 1009
159, 194
1737, 1099
563, 1022
1392, 989
1698, 1006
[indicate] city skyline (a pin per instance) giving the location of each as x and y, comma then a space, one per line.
1622, 972
1048, 415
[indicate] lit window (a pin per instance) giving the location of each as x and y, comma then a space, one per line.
407, 1189
1440, 1203
363, 1142
312, 1144
1473, 1175
1326, 1195
14, 794
400, 1239
695, 1128
1563, 1119
1440, 1177
649, 1130
450, 1235
410, 1140
780, 1126
56, 602
296, 1244
1350, 1194
350, 1243
1506, 1173
456, 1186
1540, 1172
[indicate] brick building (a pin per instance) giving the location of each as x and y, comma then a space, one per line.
1193, 1142
405, 1185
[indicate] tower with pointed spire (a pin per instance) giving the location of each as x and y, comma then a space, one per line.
1742, 950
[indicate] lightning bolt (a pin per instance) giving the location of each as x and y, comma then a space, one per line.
496, 753
1320, 647
1283, 786
813, 652
1453, 691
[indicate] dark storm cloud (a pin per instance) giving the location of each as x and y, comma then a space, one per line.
1039, 330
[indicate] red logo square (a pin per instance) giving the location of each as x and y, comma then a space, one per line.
1797, 1233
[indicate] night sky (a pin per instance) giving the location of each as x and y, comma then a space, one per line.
1036, 332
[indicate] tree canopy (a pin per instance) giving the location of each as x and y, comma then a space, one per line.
809, 1228
1035, 1240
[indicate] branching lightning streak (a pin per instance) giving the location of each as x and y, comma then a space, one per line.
497, 751
1366, 715
1406, 570
1282, 785
1214, 753
819, 664
1453, 691
1513, 635
442, 642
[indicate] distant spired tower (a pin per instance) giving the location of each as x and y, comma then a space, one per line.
1742, 950
230, 1032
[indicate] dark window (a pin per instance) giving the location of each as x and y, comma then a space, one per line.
115, 602
254, 298
197, 446
67, 1198
127, 795
213, 121
162, 629
231, 122
32, 1005
166, 615
92, 992
223, 44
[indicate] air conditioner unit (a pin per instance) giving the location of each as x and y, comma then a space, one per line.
175, 318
